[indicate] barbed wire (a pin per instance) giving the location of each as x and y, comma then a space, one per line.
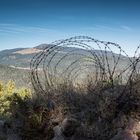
75, 58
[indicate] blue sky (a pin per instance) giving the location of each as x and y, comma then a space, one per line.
27, 23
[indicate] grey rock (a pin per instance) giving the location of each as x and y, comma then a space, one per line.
69, 126
58, 133
134, 126
125, 135
67, 130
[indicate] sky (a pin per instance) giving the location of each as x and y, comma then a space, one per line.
28, 23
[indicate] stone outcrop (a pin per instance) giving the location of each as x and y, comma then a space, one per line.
131, 132
66, 130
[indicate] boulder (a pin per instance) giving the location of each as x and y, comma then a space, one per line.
125, 135
134, 126
66, 130
69, 126
58, 133
131, 132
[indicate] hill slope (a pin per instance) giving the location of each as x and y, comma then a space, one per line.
21, 77
20, 57
15, 63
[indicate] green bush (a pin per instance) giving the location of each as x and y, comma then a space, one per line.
7, 91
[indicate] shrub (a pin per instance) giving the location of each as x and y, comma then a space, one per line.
100, 109
7, 91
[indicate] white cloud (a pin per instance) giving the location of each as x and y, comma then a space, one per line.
109, 28
14, 28
126, 28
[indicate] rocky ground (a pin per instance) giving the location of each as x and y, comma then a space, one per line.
69, 127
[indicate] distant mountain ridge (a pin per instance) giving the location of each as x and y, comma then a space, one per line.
15, 63
21, 57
